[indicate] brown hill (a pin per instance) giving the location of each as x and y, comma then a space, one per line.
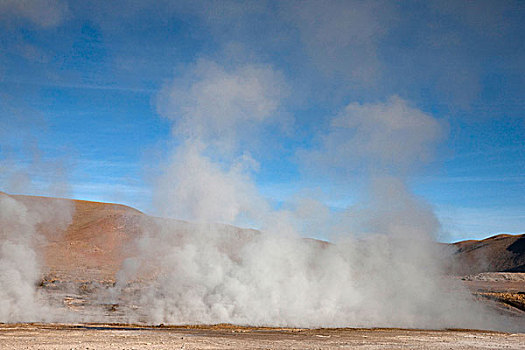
501, 253
94, 243
99, 236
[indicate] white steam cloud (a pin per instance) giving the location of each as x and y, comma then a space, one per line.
27, 222
216, 110
384, 268
387, 271
21, 242
18, 263
196, 188
383, 138
221, 106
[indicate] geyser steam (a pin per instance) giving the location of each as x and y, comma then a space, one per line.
384, 269
20, 265
23, 165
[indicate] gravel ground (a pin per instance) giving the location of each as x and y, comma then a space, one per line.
101, 336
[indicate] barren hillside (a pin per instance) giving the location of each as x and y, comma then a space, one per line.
98, 239
501, 253
93, 245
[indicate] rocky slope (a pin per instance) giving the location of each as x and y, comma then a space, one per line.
501, 253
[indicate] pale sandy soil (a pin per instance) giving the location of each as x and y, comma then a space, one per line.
99, 336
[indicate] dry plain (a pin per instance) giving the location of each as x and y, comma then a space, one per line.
100, 336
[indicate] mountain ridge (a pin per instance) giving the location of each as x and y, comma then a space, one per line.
100, 235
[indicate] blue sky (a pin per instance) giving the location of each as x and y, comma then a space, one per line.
93, 96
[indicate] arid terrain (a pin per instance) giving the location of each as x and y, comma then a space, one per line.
99, 238
100, 336
500, 253
81, 263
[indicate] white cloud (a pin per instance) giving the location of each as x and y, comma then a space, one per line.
195, 188
379, 136
342, 37
44, 13
216, 111
219, 105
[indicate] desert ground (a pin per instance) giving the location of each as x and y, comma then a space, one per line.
101, 336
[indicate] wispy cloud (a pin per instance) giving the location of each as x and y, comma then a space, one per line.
61, 85
342, 37
218, 104
43, 13
378, 136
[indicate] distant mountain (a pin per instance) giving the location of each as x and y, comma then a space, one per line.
99, 237
93, 245
501, 253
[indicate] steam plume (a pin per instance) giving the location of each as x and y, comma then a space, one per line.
214, 273
20, 263
23, 168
